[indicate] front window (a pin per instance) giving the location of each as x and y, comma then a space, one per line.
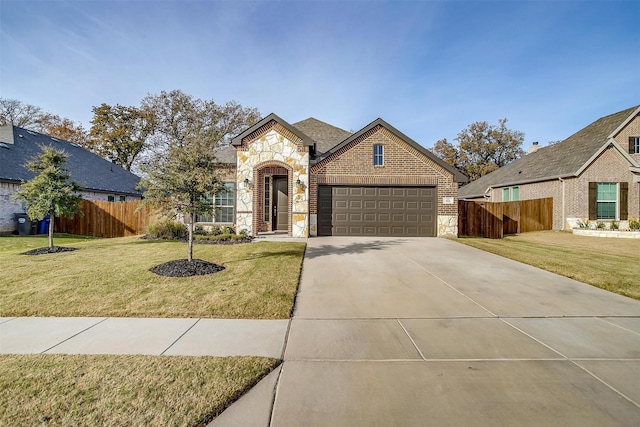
634, 144
267, 199
378, 155
607, 200
224, 204
221, 206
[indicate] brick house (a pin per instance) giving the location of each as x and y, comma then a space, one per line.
592, 175
98, 178
310, 178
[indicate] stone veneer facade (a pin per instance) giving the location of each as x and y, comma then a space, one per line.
272, 150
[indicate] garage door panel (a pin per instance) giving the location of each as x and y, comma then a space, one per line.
376, 211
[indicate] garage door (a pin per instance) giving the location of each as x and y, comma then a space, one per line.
376, 211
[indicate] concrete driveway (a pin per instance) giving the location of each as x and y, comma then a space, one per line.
419, 332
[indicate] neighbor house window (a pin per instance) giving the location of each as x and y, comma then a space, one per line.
224, 204
515, 194
122, 198
606, 200
378, 155
634, 144
111, 198
505, 195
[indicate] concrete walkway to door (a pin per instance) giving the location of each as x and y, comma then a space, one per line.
418, 332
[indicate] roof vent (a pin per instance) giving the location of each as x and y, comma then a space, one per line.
20, 135
31, 132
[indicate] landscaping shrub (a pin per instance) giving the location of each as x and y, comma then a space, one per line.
634, 224
614, 225
169, 230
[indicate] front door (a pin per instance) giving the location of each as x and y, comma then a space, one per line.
280, 214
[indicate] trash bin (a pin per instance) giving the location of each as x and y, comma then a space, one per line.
24, 224
43, 225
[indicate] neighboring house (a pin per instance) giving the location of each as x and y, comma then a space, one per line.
592, 175
311, 178
98, 178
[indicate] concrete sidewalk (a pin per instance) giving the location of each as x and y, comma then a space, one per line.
150, 336
418, 332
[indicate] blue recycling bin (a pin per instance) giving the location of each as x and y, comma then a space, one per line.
43, 225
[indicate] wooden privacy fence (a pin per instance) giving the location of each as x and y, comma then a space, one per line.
106, 219
495, 219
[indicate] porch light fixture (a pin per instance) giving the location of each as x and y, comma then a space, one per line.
247, 183
299, 183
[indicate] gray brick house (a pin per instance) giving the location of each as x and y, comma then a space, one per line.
311, 178
98, 178
592, 175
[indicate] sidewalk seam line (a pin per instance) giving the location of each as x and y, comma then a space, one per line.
618, 326
181, 335
75, 335
411, 339
606, 383
534, 338
451, 287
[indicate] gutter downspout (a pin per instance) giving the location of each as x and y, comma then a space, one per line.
564, 220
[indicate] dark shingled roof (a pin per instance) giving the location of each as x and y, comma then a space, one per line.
90, 171
325, 135
564, 159
227, 155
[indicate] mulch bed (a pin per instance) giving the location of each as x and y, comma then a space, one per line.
48, 250
184, 268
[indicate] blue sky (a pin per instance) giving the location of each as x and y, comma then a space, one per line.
429, 68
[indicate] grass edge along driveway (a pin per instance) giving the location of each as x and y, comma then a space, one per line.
111, 278
607, 263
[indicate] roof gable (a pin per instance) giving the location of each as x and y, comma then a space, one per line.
457, 175
90, 171
564, 159
238, 140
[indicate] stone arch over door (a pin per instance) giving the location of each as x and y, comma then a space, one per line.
264, 174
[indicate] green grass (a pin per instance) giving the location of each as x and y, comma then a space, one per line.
107, 390
607, 263
111, 277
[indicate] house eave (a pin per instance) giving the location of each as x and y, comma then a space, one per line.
624, 123
457, 175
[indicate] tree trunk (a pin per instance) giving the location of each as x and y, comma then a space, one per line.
50, 231
190, 237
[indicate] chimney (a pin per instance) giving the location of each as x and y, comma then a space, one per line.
534, 147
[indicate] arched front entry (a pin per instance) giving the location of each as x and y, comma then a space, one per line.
273, 197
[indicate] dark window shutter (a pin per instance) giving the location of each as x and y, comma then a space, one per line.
631, 147
593, 210
624, 200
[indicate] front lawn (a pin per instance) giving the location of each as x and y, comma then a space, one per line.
608, 263
99, 390
111, 278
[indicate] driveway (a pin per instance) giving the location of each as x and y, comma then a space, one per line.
418, 332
